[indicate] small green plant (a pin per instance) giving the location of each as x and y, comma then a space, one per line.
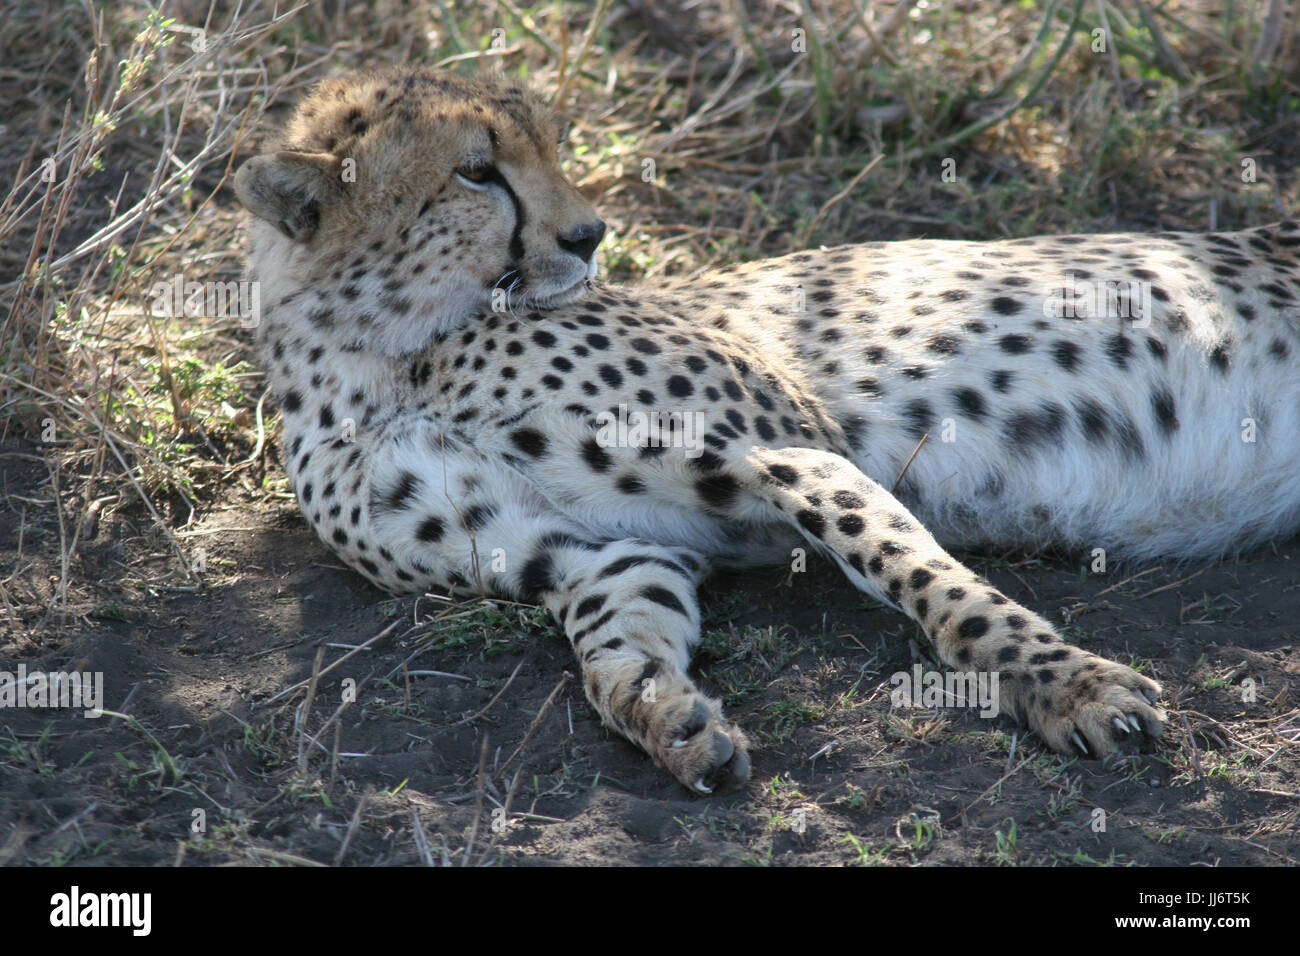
1007, 854
867, 854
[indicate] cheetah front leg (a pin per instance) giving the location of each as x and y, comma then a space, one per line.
628, 606
630, 612
1071, 698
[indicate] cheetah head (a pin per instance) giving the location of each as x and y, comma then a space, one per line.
419, 199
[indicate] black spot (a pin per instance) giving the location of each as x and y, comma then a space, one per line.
537, 576
1036, 427
1066, 354
292, 400
919, 417
597, 458
971, 402
630, 484
784, 474
973, 627
610, 376
544, 338
1000, 380
530, 441
944, 345
718, 490
430, 530
919, 579
812, 521
848, 499
476, 516
1119, 348
1162, 403
400, 494
680, 386
851, 525
900, 524
1015, 344
1005, 305
1093, 419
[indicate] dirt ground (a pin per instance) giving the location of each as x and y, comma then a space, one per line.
802, 660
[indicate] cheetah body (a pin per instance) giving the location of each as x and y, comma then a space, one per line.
435, 441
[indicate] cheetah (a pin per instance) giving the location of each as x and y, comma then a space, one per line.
467, 408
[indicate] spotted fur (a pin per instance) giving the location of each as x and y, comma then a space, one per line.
447, 367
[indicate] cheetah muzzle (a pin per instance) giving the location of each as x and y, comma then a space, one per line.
455, 384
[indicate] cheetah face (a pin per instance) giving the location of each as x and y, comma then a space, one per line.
420, 200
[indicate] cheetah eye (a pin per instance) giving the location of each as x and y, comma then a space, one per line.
478, 175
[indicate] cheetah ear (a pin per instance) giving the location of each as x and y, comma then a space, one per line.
287, 189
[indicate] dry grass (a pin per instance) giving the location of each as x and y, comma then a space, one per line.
708, 132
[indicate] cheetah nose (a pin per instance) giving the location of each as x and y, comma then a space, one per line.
582, 240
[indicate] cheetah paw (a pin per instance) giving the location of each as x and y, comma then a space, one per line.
700, 748
1100, 708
